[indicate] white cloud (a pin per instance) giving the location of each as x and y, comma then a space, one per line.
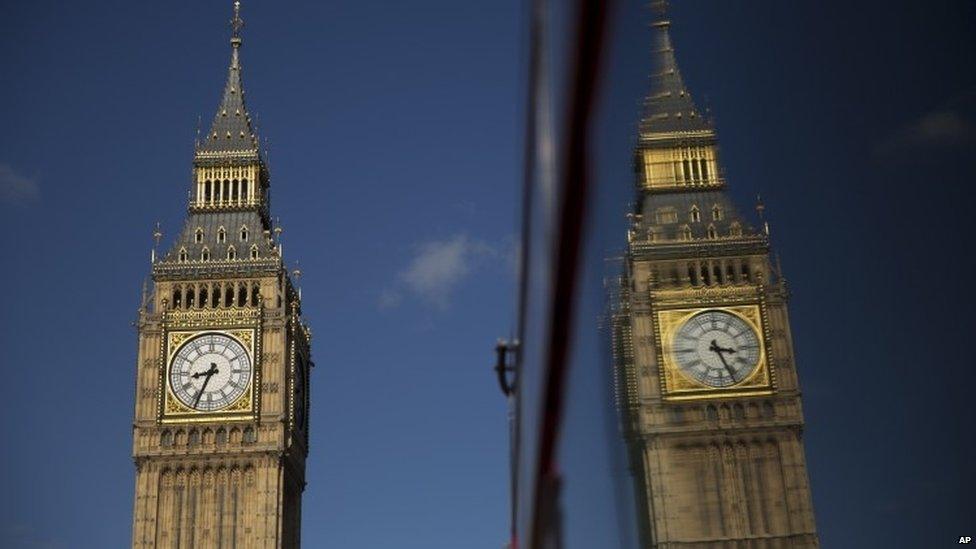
17, 189
436, 270
934, 129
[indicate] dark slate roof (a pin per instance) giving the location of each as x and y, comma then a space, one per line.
682, 203
669, 107
210, 223
231, 130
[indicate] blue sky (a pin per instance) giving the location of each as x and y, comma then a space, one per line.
394, 137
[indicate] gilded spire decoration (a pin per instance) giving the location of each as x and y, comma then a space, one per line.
668, 107
232, 130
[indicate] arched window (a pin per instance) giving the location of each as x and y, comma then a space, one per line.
254, 251
205, 254
198, 235
686, 233
693, 274
182, 255
255, 294
711, 413
695, 214
166, 438
229, 297
194, 437
241, 295
716, 213
249, 435
226, 194
711, 231
244, 195
221, 235
177, 298
207, 191
234, 191
231, 253
221, 436
243, 234
704, 169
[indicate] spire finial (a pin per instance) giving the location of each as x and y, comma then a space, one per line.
660, 10
236, 24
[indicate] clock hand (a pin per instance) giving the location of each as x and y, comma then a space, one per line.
209, 373
719, 350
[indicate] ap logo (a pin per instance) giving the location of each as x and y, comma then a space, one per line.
965, 539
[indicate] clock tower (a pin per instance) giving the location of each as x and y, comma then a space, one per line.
220, 434
704, 357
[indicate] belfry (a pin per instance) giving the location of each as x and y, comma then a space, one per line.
706, 375
220, 434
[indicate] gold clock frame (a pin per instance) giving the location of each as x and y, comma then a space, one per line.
676, 385
240, 324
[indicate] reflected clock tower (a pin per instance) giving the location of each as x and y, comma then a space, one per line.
703, 350
220, 430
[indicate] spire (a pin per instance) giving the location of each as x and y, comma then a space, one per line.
668, 107
231, 130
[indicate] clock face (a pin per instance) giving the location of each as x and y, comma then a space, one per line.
210, 372
716, 348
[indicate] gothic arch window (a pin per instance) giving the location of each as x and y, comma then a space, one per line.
177, 298
204, 297
198, 235
735, 229
205, 254
249, 435
255, 294
695, 214
686, 233
254, 251
693, 274
225, 196
231, 253
243, 234
244, 194
711, 231
704, 169
194, 437
221, 436
221, 235
711, 413
234, 187
716, 213
207, 192
241, 295
738, 411
229, 297
166, 438
182, 255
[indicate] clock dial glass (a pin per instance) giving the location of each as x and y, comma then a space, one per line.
210, 372
716, 348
